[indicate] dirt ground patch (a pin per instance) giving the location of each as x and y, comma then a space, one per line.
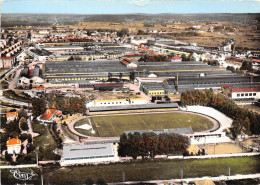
67, 119
193, 149
253, 142
223, 148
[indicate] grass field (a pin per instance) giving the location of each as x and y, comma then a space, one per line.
44, 141
115, 125
155, 169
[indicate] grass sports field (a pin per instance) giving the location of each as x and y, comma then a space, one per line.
154, 169
107, 126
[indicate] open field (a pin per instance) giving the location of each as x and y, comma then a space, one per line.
215, 39
115, 125
44, 141
155, 169
222, 148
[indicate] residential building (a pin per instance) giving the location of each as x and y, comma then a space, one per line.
10, 116
14, 146
176, 59
243, 92
50, 115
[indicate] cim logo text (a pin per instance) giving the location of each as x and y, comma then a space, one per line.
22, 175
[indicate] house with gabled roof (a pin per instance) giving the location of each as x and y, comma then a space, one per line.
13, 146
50, 115
10, 116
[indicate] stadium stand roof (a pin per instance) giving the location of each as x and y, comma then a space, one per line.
133, 107
180, 131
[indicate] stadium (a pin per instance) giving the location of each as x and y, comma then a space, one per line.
201, 124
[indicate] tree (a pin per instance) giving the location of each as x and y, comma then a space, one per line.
12, 128
101, 182
132, 76
134, 147
141, 32
8, 157
151, 143
23, 124
244, 122
218, 28
122, 32
74, 58
54, 27
3, 121
39, 106
120, 76
246, 66
123, 144
109, 76
22, 113
184, 58
89, 181
231, 68
30, 148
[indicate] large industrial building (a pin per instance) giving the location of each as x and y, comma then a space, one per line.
170, 77
96, 152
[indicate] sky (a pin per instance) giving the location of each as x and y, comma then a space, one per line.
130, 6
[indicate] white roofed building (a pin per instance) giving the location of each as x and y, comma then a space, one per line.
98, 152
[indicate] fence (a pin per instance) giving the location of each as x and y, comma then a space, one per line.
214, 156
19, 166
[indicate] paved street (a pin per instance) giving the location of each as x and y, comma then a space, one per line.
13, 101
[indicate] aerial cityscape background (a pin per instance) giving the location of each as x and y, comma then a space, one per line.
130, 6
130, 92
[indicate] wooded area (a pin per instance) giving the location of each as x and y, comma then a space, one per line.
150, 144
244, 121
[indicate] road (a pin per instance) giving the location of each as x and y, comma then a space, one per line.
2, 98
11, 71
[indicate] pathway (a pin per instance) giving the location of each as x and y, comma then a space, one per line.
30, 130
13, 101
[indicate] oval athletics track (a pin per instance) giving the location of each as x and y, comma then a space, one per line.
74, 131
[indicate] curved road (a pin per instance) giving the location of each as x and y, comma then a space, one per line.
12, 101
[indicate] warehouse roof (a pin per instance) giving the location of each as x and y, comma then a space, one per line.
41, 52
180, 131
87, 151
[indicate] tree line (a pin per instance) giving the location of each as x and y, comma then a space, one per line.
244, 121
150, 144
68, 105
154, 58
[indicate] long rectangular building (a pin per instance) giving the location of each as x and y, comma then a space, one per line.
89, 153
85, 70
